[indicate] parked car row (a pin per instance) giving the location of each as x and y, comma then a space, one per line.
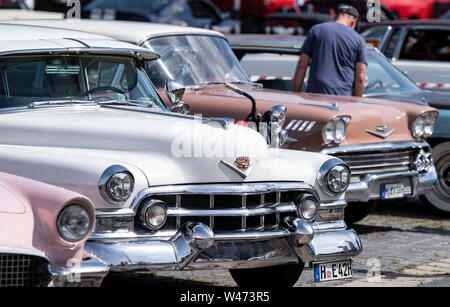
80, 113
280, 55
419, 48
262, 183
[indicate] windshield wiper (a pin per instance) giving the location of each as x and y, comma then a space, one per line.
126, 102
134, 103
58, 102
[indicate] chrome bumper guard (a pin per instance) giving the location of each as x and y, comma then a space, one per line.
362, 191
89, 273
368, 185
195, 246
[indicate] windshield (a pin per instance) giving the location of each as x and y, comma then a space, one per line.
194, 60
28, 79
383, 78
131, 6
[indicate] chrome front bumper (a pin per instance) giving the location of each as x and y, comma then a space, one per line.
368, 185
89, 273
195, 246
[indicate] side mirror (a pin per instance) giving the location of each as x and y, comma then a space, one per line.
175, 92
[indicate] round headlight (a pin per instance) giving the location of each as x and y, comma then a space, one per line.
335, 130
328, 132
307, 208
153, 214
428, 127
337, 179
120, 186
418, 127
423, 126
340, 131
116, 184
74, 223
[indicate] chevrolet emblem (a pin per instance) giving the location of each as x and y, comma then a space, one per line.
381, 131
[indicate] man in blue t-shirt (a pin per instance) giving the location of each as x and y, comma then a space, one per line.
338, 57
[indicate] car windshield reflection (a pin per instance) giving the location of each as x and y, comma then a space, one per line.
384, 78
194, 60
40, 80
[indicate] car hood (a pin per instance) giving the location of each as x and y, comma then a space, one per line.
436, 100
152, 142
366, 113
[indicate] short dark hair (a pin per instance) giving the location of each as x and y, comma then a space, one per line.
347, 9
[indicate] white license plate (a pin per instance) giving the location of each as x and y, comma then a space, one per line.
332, 270
394, 190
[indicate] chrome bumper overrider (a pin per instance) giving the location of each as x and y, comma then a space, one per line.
195, 246
89, 273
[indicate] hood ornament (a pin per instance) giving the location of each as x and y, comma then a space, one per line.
381, 131
241, 163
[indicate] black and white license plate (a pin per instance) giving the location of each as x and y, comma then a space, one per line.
394, 190
332, 270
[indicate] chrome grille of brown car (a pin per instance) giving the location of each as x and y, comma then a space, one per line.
231, 207
376, 162
18, 270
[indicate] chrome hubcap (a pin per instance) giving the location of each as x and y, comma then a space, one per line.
442, 188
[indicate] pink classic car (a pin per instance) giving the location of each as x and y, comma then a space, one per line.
42, 234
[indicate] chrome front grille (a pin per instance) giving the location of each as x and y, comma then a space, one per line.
377, 162
230, 207
17, 270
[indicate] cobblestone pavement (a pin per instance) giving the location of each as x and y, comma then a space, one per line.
407, 241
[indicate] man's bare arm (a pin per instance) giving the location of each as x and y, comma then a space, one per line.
300, 72
360, 79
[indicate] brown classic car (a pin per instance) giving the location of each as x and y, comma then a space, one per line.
382, 141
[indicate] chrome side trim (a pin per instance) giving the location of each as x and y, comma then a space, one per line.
135, 53
374, 147
339, 204
329, 226
122, 212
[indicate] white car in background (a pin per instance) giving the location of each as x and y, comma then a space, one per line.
171, 191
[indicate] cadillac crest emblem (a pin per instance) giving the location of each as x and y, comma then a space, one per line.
243, 162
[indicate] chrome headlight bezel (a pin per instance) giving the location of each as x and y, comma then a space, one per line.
423, 125
67, 216
329, 168
112, 175
335, 131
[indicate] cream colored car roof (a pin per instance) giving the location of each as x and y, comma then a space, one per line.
22, 39
134, 32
